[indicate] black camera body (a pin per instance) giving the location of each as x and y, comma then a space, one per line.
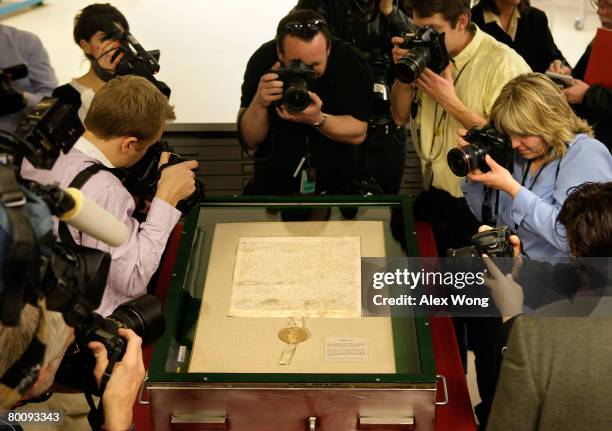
494, 243
298, 78
11, 100
141, 179
427, 49
136, 60
483, 141
143, 315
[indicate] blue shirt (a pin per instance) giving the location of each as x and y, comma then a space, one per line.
539, 200
17, 47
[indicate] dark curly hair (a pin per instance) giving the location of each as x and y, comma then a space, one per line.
94, 18
523, 6
586, 216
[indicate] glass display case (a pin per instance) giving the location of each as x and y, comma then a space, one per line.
233, 362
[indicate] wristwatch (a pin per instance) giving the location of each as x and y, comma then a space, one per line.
321, 123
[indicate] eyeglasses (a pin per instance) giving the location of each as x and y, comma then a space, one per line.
298, 27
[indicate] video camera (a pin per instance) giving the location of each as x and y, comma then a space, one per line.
10, 99
136, 60
141, 179
483, 141
298, 78
426, 49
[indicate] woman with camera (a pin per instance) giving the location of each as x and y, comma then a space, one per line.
91, 32
553, 152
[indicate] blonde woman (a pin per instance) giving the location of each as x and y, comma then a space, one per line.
553, 152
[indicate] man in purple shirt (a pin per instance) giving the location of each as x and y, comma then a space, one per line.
126, 116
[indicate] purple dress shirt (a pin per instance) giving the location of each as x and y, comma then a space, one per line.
137, 259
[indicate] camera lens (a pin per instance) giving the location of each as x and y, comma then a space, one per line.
410, 66
296, 96
458, 162
143, 315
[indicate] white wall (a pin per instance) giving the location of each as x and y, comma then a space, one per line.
205, 44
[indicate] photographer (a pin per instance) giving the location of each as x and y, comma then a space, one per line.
123, 385
90, 27
369, 25
553, 152
591, 102
126, 117
460, 96
550, 362
22, 47
126, 378
312, 149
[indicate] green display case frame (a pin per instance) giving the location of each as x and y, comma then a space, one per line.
175, 305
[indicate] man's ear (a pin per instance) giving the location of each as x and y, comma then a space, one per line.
127, 143
463, 21
85, 46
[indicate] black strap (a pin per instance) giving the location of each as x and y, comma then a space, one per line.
78, 182
24, 254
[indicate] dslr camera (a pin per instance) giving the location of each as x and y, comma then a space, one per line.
494, 242
143, 315
11, 100
298, 78
136, 60
426, 49
483, 141
141, 179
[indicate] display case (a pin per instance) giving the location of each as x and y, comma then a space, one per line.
231, 361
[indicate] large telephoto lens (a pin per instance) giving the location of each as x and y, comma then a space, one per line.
466, 159
296, 97
143, 315
410, 66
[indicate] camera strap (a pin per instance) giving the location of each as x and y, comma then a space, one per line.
78, 182
24, 258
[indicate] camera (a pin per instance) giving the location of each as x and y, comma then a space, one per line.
494, 242
11, 100
483, 141
136, 60
298, 78
143, 315
427, 49
141, 179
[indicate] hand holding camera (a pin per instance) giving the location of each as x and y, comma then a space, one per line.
125, 380
176, 182
107, 56
270, 88
311, 115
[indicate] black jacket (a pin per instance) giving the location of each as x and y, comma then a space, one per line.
533, 40
596, 106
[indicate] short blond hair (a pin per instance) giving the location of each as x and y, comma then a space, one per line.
128, 106
532, 105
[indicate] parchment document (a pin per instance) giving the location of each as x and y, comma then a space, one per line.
297, 277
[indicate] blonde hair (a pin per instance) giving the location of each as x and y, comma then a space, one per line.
532, 105
128, 106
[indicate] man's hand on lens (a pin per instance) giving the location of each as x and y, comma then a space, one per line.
440, 88
105, 52
176, 182
311, 115
270, 89
575, 93
557, 66
507, 293
122, 387
397, 51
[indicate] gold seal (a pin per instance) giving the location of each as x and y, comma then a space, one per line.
294, 334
